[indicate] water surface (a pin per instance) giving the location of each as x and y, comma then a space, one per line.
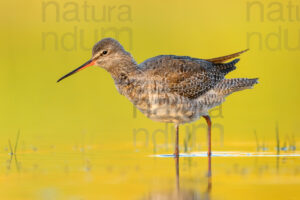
92, 172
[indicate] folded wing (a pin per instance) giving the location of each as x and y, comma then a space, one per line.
186, 76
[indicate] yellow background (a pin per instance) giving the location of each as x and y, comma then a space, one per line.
76, 137
32, 102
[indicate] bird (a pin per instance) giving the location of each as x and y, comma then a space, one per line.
169, 88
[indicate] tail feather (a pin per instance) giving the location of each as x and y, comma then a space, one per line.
222, 59
227, 67
228, 86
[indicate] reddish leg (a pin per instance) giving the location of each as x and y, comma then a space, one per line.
176, 153
208, 121
177, 175
209, 175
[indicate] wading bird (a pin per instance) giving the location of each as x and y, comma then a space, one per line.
169, 88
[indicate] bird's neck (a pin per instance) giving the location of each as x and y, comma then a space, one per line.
124, 66
126, 75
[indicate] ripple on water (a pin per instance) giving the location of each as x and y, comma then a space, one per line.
230, 154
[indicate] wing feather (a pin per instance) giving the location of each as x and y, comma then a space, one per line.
185, 76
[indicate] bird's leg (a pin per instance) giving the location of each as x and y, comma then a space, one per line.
208, 121
176, 152
209, 175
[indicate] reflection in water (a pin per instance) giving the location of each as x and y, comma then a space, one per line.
13, 154
188, 177
9, 162
177, 175
181, 193
209, 177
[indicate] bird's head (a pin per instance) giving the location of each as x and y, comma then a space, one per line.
108, 53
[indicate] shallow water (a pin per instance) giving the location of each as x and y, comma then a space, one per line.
91, 172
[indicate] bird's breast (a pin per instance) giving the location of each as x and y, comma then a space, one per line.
155, 101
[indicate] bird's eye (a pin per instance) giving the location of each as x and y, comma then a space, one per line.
104, 52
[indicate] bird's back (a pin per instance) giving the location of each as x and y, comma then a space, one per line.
185, 76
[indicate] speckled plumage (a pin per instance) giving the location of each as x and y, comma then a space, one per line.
175, 89
169, 88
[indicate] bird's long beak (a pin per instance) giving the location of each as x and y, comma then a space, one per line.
85, 65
